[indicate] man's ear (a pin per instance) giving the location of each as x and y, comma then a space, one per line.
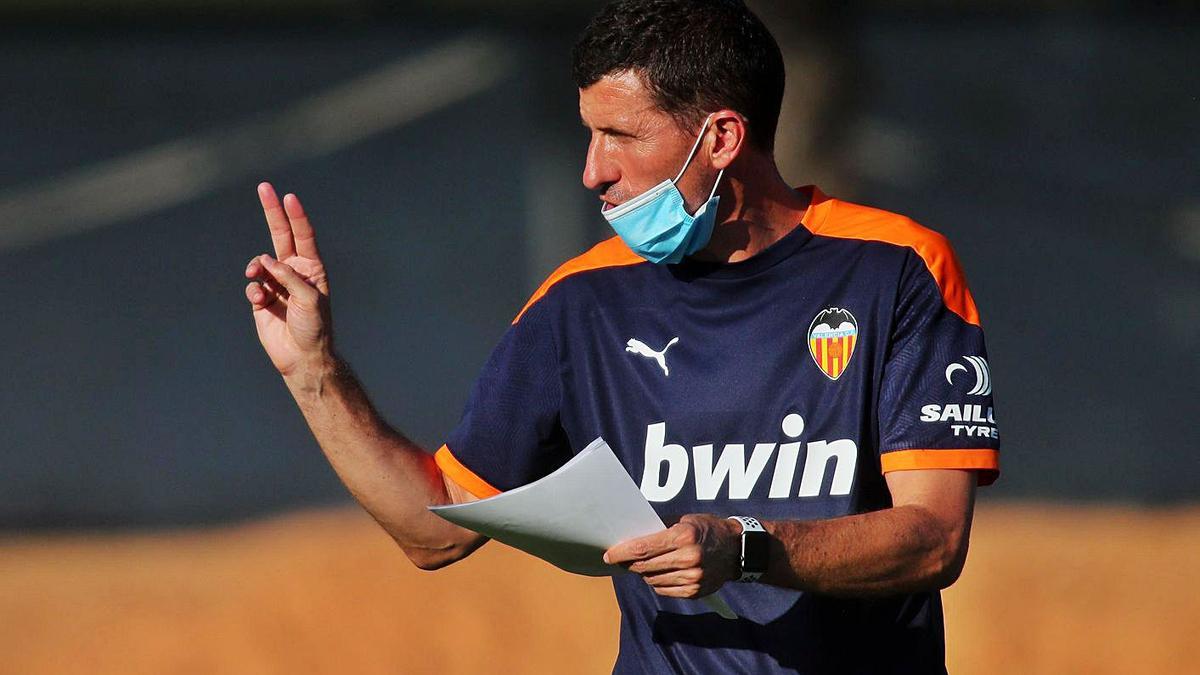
729, 138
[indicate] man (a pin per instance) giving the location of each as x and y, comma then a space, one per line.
812, 367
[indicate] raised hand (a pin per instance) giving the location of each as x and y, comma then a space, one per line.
289, 294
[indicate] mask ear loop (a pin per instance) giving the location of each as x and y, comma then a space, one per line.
692, 154
713, 193
718, 182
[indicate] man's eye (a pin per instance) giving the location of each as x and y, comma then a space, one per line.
616, 133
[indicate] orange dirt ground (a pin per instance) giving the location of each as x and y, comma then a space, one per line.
1047, 589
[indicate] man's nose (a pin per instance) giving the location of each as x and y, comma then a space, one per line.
598, 170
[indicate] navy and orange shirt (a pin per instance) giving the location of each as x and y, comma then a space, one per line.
783, 386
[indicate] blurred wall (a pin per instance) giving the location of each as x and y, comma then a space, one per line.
439, 155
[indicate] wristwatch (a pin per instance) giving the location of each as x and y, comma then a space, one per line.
755, 544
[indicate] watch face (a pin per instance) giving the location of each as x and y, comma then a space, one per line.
754, 551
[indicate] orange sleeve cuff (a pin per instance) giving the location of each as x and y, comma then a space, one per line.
464, 477
984, 460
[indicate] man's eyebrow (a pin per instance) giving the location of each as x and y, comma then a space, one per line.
612, 131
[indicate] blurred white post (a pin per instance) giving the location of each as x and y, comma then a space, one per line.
144, 181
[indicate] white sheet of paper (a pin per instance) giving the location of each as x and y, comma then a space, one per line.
570, 517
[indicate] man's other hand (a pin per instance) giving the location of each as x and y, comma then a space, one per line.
690, 559
289, 293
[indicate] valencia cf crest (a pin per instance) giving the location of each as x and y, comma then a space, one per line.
831, 340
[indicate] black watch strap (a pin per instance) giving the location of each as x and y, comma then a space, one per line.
755, 545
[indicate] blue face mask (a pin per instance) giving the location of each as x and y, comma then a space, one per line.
656, 224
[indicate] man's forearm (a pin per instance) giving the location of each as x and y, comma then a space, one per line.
896, 550
390, 476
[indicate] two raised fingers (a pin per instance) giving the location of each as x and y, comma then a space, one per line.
291, 231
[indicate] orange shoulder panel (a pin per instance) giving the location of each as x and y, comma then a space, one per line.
852, 221
466, 479
608, 253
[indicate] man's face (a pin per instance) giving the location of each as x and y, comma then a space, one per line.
635, 145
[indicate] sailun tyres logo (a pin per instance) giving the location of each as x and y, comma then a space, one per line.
969, 420
983, 375
733, 475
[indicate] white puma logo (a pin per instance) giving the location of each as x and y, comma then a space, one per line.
638, 347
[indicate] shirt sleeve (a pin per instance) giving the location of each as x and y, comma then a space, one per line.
936, 409
510, 434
